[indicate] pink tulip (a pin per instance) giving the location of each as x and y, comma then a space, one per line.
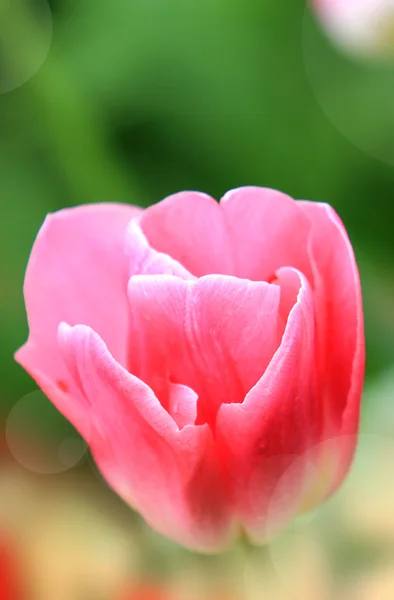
364, 27
200, 349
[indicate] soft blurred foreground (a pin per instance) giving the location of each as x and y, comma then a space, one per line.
65, 536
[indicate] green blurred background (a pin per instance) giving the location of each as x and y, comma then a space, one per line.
141, 98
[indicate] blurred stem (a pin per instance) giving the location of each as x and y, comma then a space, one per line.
246, 548
69, 124
256, 569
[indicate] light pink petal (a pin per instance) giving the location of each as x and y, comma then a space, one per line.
144, 260
268, 231
339, 321
170, 476
190, 227
182, 404
279, 419
77, 273
216, 335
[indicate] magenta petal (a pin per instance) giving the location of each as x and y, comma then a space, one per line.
191, 228
278, 420
216, 335
267, 231
172, 477
339, 323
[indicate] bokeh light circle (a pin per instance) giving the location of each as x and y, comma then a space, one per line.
357, 521
40, 439
355, 94
26, 30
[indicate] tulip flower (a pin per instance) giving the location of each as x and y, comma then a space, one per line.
201, 349
364, 27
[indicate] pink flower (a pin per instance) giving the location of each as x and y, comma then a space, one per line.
364, 27
200, 348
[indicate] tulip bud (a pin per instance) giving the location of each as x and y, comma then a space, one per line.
203, 350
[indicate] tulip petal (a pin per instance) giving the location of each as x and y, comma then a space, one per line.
144, 260
268, 231
191, 228
77, 273
339, 324
182, 404
261, 438
170, 476
215, 335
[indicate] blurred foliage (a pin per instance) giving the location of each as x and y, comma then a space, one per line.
141, 98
